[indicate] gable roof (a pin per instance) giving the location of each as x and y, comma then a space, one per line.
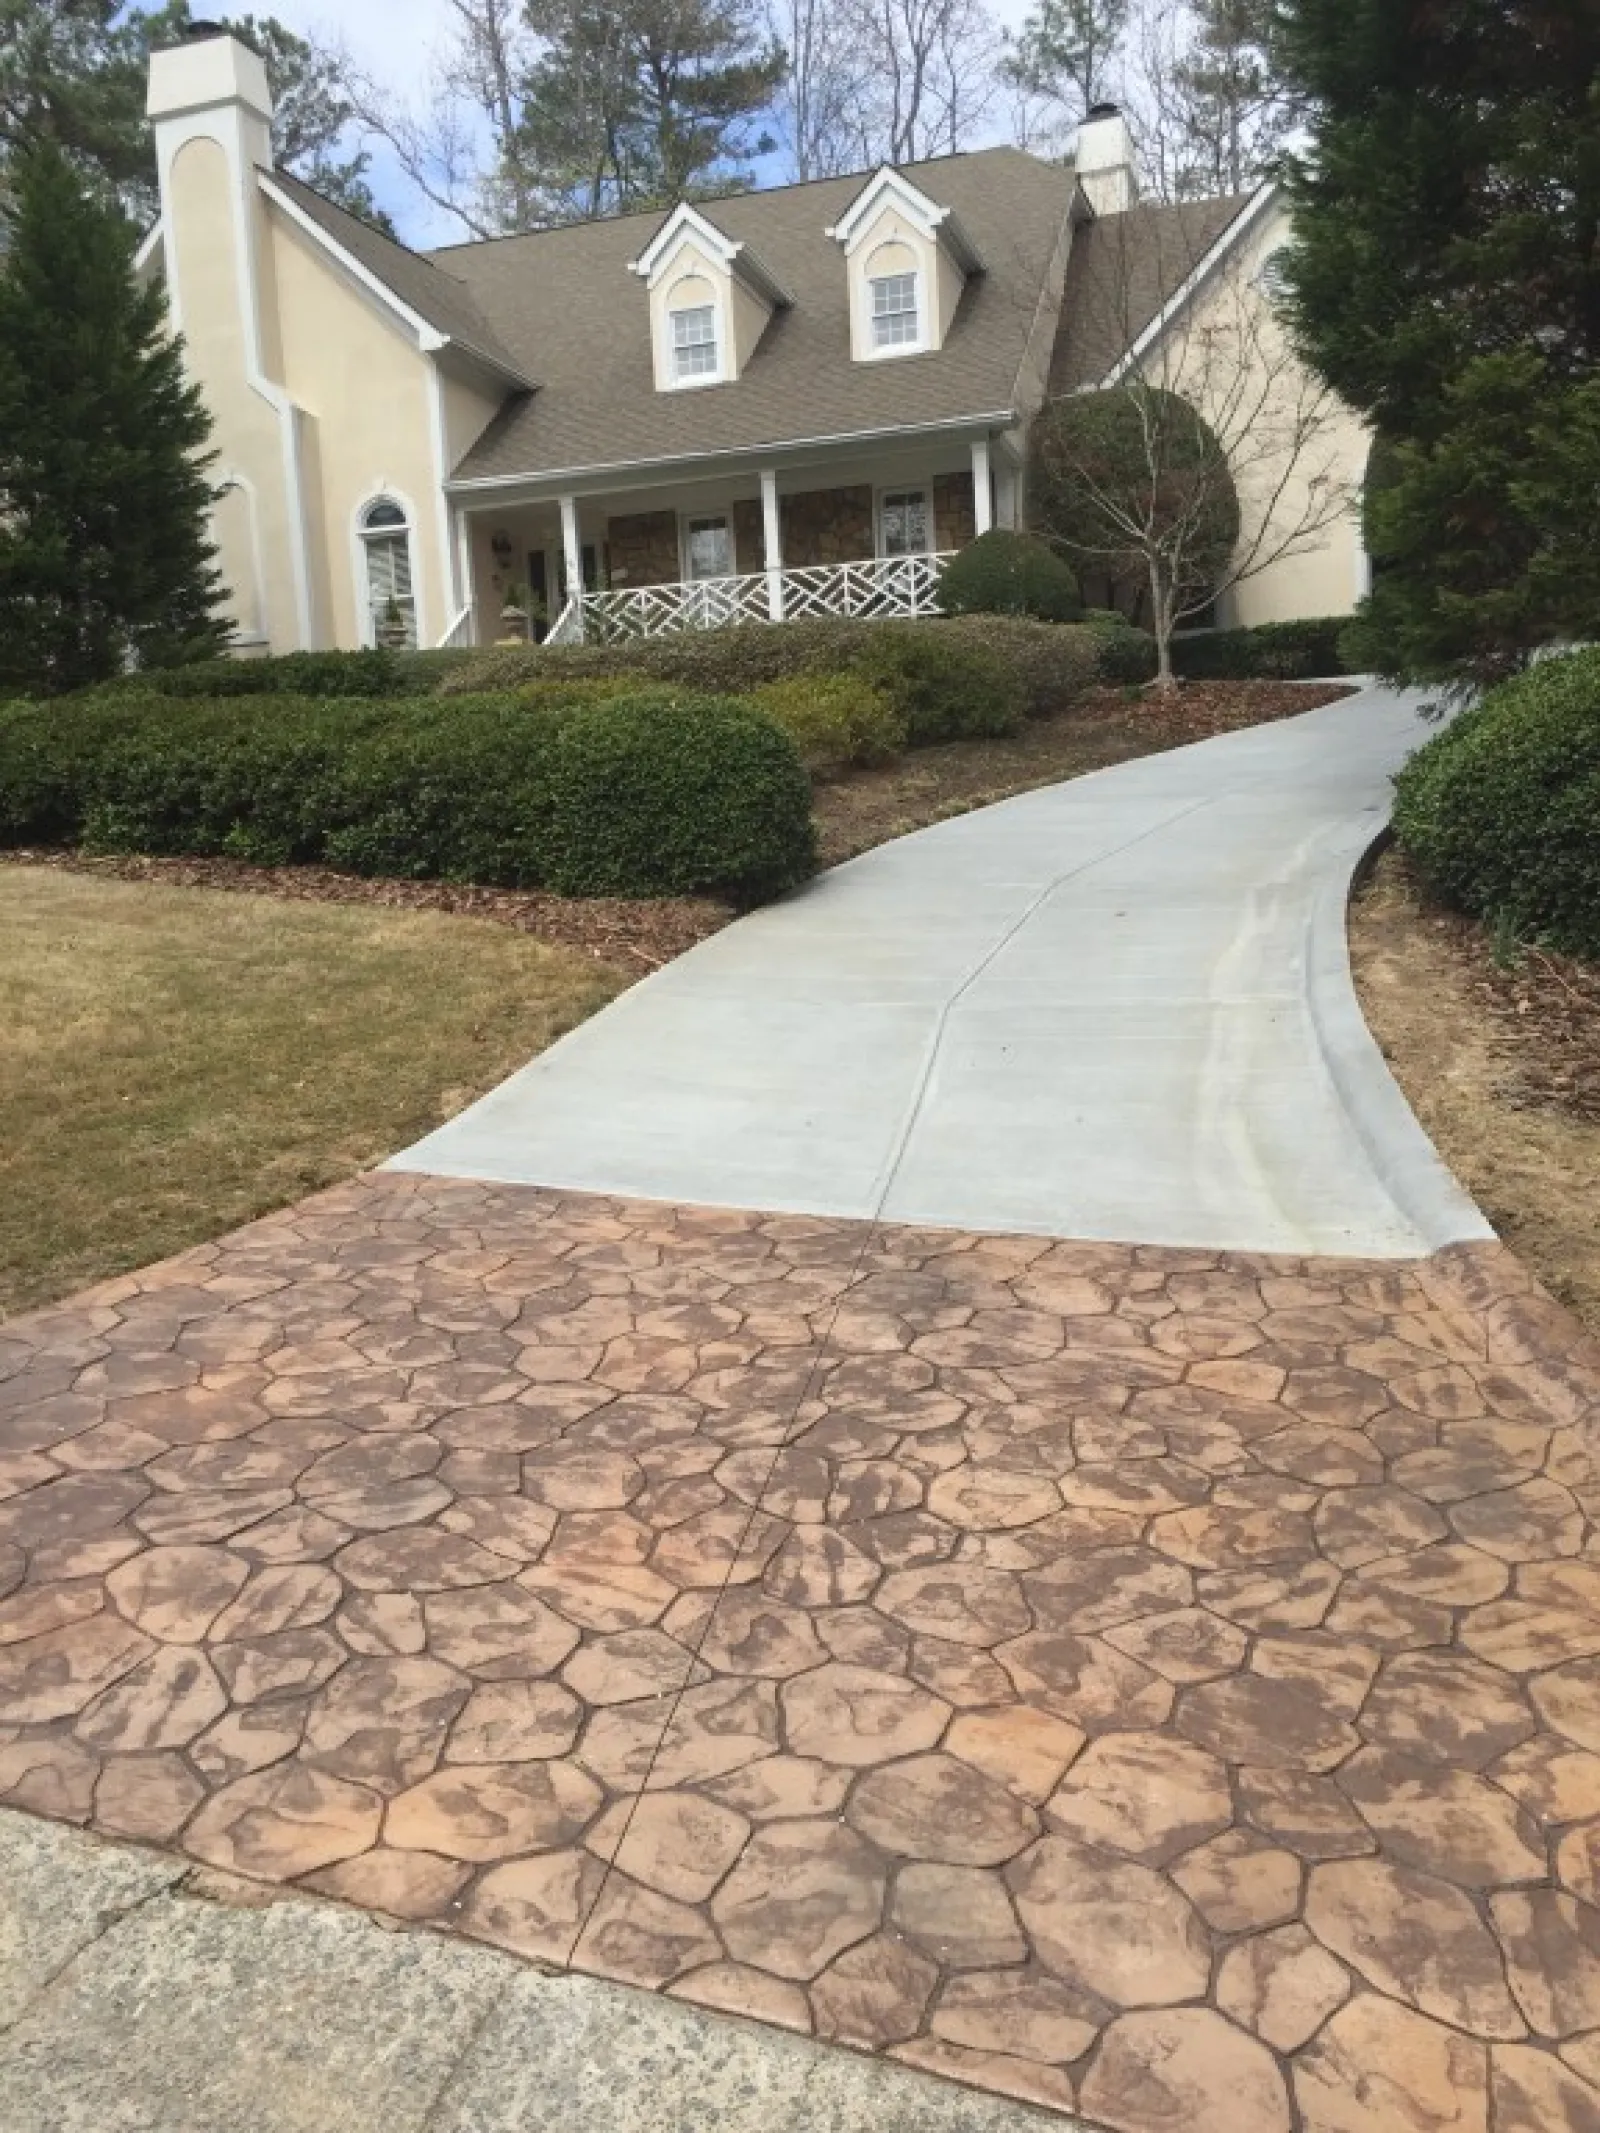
1122, 271
435, 295
564, 304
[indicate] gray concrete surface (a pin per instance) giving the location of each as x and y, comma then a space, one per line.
1118, 1008
130, 2002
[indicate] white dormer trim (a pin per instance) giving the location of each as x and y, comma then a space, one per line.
889, 187
686, 226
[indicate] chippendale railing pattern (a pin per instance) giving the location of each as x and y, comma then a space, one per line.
875, 587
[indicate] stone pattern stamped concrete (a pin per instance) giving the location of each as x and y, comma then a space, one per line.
1159, 1683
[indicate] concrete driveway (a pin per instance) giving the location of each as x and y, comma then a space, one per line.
1114, 1009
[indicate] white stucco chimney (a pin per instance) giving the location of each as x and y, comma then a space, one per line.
1104, 161
214, 84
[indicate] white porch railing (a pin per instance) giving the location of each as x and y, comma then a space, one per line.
876, 587
460, 630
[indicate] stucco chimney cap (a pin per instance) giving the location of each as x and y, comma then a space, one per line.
211, 67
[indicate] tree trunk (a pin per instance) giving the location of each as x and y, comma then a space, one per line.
1161, 625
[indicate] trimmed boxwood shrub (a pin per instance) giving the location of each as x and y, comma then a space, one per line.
711, 796
1500, 812
1049, 662
664, 793
1006, 573
374, 672
837, 721
945, 687
1124, 654
1272, 651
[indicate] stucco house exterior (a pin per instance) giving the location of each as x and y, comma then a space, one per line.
787, 402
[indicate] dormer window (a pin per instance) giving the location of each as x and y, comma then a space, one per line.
711, 300
694, 343
894, 311
908, 261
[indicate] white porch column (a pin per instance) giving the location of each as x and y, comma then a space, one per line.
982, 497
572, 547
772, 542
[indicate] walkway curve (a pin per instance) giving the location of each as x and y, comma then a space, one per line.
1114, 1009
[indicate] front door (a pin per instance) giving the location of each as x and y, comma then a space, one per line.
710, 548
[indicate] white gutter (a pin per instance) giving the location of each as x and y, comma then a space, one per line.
993, 418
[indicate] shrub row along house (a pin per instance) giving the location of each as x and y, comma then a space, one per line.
781, 404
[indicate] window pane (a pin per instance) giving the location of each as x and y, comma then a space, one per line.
894, 310
384, 514
904, 515
694, 342
710, 549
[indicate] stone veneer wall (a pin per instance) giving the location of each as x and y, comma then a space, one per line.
954, 522
749, 546
827, 526
642, 548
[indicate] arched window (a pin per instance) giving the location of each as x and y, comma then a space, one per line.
391, 597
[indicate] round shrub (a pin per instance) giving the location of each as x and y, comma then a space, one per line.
664, 793
837, 721
1125, 654
1500, 812
1052, 662
945, 686
1004, 573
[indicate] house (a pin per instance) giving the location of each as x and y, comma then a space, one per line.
783, 403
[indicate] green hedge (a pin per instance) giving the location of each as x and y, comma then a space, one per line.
1048, 663
1273, 651
1124, 654
375, 672
463, 788
1501, 811
839, 722
1006, 573
663, 793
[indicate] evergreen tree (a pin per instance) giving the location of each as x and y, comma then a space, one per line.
75, 71
1067, 51
1446, 280
1231, 98
105, 555
639, 103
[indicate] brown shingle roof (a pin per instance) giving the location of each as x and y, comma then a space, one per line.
1122, 269
436, 295
566, 306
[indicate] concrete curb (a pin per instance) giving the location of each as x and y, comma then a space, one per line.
1412, 1170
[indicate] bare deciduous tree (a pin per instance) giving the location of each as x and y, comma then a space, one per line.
927, 72
820, 102
1213, 454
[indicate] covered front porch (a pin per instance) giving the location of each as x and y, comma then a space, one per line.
862, 532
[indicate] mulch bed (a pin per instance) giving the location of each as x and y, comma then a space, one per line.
636, 936
1544, 1008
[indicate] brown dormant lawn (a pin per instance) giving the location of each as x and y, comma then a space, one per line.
175, 1061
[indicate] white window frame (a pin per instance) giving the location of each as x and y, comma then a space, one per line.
367, 536
682, 381
918, 341
688, 519
924, 489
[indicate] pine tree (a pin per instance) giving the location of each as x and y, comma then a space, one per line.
640, 103
1067, 50
1446, 279
105, 556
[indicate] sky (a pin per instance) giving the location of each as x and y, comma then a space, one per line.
392, 40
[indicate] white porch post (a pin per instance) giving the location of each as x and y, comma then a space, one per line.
466, 578
772, 542
982, 498
572, 548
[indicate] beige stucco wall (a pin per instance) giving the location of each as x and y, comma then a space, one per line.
1231, 322
254, 523
368, 390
